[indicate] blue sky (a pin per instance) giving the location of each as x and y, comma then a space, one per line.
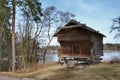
97, 14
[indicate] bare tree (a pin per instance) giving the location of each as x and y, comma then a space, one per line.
116, 26
53, 20
28, 43
32, 36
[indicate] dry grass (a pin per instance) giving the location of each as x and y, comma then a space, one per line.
28, 74
102, 71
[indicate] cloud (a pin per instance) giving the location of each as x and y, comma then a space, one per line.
86, 6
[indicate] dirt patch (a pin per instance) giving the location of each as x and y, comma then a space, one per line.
8, 78
13, 78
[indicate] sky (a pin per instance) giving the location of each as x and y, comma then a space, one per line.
97, 14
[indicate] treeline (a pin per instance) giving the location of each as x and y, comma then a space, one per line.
53, 47
111, 47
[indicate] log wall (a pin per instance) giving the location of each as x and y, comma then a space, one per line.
97, 45
80, 43
74, 35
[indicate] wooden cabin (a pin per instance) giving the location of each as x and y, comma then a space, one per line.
79, 41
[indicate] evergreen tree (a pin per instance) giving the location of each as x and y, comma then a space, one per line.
31, 9
5, 34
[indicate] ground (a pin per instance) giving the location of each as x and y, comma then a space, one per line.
101, 71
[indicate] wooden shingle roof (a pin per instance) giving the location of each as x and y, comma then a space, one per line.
75, 24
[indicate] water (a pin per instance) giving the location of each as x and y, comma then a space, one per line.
109, 55
52, 57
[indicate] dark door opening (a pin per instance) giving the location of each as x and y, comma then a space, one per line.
76, 49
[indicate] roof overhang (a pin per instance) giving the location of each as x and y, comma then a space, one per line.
79, 26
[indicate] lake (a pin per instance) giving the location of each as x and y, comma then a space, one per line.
107, 56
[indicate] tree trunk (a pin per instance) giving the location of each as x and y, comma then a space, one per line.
0, 49
13, 34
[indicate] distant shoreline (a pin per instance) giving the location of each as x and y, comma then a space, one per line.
111, 51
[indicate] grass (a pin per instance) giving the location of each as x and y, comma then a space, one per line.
102, 71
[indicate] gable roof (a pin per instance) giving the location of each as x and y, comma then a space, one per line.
75, 24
